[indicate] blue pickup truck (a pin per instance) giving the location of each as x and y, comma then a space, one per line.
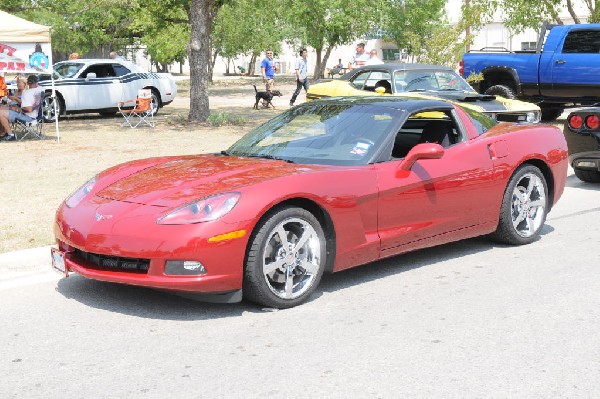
564, 71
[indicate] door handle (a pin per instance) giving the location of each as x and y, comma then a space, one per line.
561, 61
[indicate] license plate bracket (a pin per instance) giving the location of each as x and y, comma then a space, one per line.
58, 262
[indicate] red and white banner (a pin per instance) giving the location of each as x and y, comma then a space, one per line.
22, 58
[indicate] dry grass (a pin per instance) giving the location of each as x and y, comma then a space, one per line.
35, 176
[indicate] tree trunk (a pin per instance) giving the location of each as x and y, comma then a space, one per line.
572, 12
251, 65
199, 53
323, 63
318, 64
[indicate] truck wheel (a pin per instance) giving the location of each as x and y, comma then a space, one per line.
588, 176
501, 90
551, 113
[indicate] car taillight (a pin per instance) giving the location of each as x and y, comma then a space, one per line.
592, 122
576, 122
461, 69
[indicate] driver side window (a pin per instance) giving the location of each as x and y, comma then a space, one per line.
426, 127
101, 71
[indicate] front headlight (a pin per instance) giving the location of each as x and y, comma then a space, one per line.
75, 198
204, 210
533, 116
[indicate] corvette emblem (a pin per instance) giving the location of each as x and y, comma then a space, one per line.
100, 217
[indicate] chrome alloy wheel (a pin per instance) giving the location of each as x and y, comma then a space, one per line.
528, 205
291, 258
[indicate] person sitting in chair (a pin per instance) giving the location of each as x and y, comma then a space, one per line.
27, 112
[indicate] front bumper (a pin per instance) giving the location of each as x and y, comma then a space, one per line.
134, 250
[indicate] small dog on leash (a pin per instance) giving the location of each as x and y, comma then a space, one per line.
266, 97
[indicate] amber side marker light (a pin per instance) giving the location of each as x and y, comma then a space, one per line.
592, 122
228, 236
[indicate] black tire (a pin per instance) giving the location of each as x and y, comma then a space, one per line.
551, 113
588, 176
524, 207
296, 272
155, 102
501, 90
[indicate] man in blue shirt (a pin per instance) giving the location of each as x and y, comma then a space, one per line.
268, 69
301, 75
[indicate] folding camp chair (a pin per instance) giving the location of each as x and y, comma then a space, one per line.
141, 111
34, 128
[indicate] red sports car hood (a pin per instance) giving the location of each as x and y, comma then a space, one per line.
185, 179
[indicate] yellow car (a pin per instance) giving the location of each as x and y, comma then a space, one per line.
421, 80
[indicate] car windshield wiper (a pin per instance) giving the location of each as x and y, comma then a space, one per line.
266, 156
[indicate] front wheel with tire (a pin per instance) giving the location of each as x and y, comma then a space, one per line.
51, 113
501, 90
286, 258
588, 176
524, 207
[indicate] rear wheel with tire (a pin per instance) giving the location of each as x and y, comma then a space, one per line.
588, 176
286, 258
155, 102
524, 207
501, 90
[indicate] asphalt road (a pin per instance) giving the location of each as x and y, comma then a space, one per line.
467, 320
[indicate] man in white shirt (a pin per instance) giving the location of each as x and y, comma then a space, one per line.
27, 112
374, 60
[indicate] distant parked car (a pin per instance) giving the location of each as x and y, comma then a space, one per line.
426, 81
97, 85
582, 131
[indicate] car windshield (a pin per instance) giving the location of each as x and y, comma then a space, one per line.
415, 80
322, 133
68, 69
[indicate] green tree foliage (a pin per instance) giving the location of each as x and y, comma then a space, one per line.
79, 25
247, 27
325, 24
412, 24
519, 15
164, 28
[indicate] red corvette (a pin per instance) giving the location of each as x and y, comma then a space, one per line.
324, 186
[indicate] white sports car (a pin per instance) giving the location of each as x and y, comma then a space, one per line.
97, 85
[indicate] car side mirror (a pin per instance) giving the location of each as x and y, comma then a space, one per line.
91, 75
420, 151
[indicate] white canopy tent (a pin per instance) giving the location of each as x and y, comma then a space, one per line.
25, 48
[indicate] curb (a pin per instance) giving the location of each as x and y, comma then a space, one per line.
25, 262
